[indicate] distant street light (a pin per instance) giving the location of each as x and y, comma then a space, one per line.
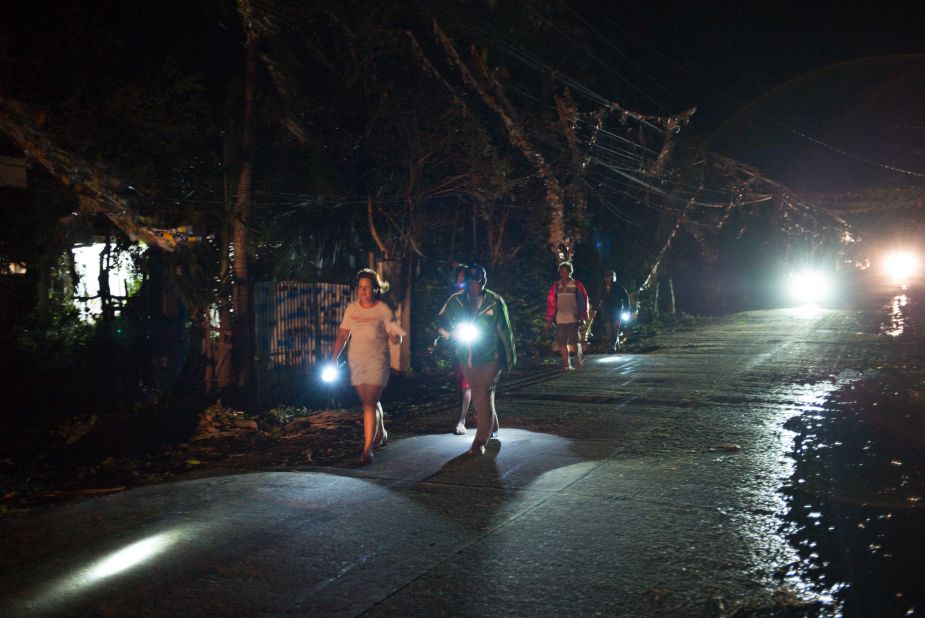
901, 266
808, 287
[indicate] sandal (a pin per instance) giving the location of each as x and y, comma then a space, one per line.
478, 448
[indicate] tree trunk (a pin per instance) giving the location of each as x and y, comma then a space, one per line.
404, 358
221, 346
655, 302
105, 294
452, 244
674, 306
242, 331
558, 241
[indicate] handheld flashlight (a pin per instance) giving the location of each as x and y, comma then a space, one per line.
467, 332
329, 373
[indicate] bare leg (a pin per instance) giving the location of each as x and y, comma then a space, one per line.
382, 436
495, 424
369, 398
564, 352
612, 329
482, 379
465, 400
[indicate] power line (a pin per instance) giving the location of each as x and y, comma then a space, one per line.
851, 155
610, 44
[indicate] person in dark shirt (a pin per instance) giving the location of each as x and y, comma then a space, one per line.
613, 302
476, 322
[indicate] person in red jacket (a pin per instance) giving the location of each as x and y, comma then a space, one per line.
567, 306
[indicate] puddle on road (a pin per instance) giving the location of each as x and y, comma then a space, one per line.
856, 498
811, 597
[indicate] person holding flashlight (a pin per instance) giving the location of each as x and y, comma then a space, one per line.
477, 323
370, 325
614, 300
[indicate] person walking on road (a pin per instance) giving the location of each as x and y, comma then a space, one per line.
476, 321
614, 300
567, 306
370, 325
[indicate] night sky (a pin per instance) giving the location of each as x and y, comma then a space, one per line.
769, 78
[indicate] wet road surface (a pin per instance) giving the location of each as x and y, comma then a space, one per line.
647, 485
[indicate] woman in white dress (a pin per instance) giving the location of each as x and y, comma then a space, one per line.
369, 324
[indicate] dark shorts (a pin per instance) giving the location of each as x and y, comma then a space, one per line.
567, 333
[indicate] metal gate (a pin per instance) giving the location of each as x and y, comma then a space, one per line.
295, 328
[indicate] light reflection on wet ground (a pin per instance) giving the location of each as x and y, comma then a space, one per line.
855, 498
897, 321
804, 401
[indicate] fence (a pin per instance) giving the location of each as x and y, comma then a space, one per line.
295, 328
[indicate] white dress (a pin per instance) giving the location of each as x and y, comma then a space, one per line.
368, 352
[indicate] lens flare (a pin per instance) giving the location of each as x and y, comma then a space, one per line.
467, 332
901, 265
625, 316
808, 287
329, 373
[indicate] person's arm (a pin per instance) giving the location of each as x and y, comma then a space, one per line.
506, 335
583, 303
343, 333
339, 343
395, 332
444, 326
625, 299
551, 306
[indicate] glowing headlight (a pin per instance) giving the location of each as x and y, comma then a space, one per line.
329, 373
809, 286
625, 316
901, 265
467, 332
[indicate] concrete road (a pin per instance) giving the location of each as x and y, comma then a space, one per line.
643, 485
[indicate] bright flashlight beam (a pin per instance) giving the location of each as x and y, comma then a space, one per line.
467, 332
130, 556
329, 373
625, 316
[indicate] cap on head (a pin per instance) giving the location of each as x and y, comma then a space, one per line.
476, 272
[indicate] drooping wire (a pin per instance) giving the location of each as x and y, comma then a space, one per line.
851, 155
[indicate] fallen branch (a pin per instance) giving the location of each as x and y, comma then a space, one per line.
97, 193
